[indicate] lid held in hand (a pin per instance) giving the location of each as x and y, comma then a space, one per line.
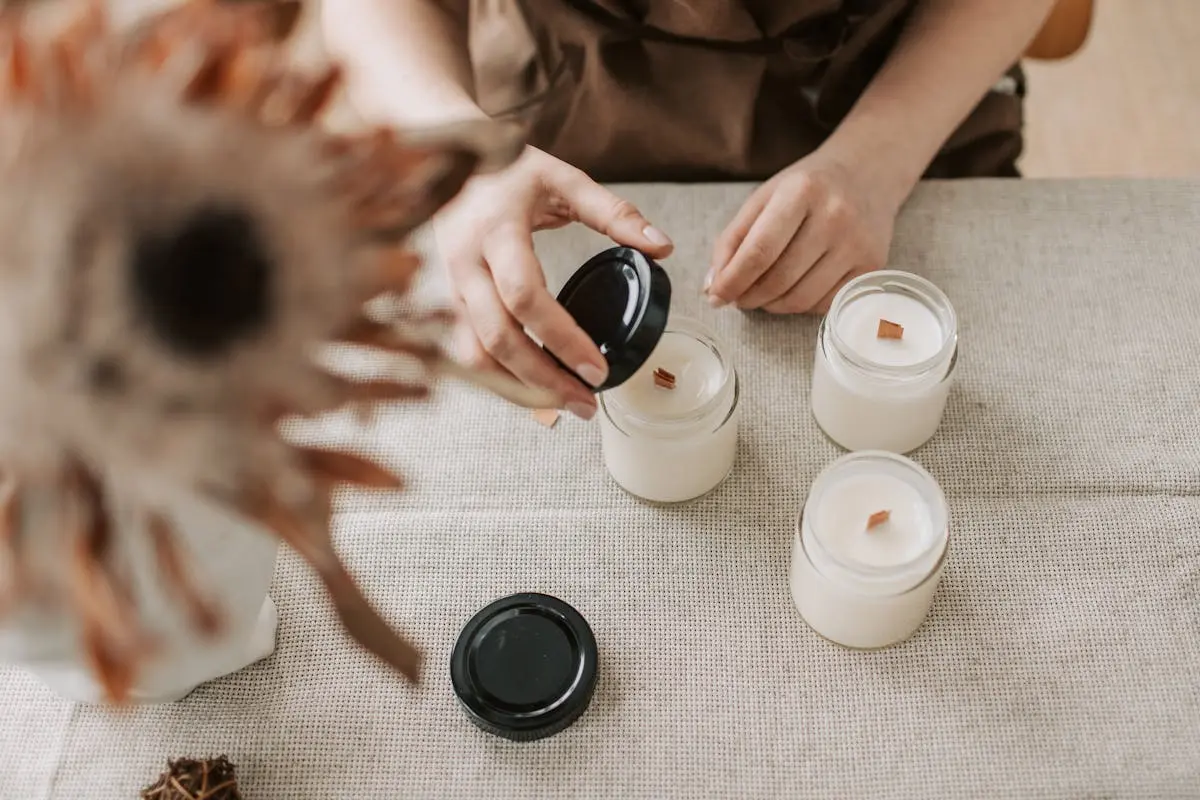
621, 299
524, 667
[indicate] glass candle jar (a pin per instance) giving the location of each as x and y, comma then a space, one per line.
869, 549
872, 392
669, 445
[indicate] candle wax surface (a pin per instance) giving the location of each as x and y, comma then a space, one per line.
698, 376
840, 520
858, 327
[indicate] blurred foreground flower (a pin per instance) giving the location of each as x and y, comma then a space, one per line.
178, 237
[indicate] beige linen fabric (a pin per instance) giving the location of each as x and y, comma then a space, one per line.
1062, 657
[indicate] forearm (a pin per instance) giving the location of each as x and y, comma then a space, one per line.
407, 60
949, 55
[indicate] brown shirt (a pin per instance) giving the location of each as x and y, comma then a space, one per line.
662, 90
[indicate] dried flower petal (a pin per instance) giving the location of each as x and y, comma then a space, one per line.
316, 97
331, 466
244, 82
308, 537
10, 555
507, 388
204, 616
392, 271
111, 640
369, 333
379, 390
20, 83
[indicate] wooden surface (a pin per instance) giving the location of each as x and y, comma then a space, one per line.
1065, 30
1128, 104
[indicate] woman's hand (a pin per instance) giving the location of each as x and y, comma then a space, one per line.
803, 234
486, 239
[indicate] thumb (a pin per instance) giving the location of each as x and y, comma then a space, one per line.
615, 217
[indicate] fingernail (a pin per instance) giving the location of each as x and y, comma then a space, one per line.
655, 236
708, 279
717, 302
581, 410
591, 374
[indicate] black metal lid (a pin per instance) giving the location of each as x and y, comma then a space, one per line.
524, 667
621, 299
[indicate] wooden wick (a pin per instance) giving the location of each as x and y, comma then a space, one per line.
878, 518
664, 379
890, 330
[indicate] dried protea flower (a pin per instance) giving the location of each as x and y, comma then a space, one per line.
178, 237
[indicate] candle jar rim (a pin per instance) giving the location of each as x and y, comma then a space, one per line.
728, 382
927, 560
910, 285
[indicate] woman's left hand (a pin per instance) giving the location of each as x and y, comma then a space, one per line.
803, 234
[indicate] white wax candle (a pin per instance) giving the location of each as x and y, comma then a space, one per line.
874, 393
862, 586
672, 445
842, 521
858, 328
698, 373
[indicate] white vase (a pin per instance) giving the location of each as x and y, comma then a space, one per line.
231, 562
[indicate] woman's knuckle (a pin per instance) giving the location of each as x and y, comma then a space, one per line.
817, 188
476, 358
798, 197
839, 212
801, 183
520, 297
498, 340
757, 252
622, 209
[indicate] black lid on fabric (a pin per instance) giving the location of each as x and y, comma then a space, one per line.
524, 667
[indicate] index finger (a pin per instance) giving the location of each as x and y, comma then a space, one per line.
613, 216
765, 242
734, 234
521, 284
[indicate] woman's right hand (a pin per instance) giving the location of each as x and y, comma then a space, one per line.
485, 237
